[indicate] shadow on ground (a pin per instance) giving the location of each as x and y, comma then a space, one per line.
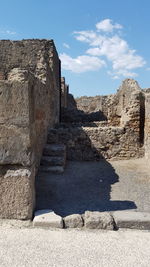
83, 186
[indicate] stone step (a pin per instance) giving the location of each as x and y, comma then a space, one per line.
54, 150
53, 169
52, 161
52, 137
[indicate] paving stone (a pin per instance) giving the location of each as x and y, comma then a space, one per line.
98, 220
73, 221
132, 219
47, 218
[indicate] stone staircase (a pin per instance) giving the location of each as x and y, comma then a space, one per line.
54, 158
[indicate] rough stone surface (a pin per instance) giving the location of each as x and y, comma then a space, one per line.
15, 142
98, 142
27, 100
73, 221
109, 107
64, 93
147, 126
132, 220
29, 104
17, 193
98, 220
47, 218
120, 136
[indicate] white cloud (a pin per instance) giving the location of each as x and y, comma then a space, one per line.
106, 25
105, 45
122, 72
66, 45
85, 36
115, 49
7, 32
81, 63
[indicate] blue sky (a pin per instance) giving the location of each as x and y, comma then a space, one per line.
100, 42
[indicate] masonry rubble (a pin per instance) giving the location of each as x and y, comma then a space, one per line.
33, 99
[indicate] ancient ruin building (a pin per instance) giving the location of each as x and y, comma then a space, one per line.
33, 100
110, 127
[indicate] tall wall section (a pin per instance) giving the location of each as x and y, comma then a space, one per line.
147, 126
64, 93
29, 104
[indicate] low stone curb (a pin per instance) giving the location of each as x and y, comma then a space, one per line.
47, 218
94, 220
132, 220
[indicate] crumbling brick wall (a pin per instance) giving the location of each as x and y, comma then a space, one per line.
29, 104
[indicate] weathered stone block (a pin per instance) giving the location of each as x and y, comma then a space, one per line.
47, 218
98, 220
15, 117
73, 221
17, 196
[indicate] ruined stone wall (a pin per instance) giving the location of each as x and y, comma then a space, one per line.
125, 110
97, 142
64, 93
111, 106
29, 104
94, 104
40, 58
147, 126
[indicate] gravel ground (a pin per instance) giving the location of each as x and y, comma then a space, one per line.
39, 247
96, 186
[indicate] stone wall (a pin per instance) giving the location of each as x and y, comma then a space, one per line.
29, 104
64, 93
97, 142
147, 126
124, 115
112, 107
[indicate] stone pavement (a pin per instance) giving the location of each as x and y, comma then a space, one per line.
64, 248
96, 186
